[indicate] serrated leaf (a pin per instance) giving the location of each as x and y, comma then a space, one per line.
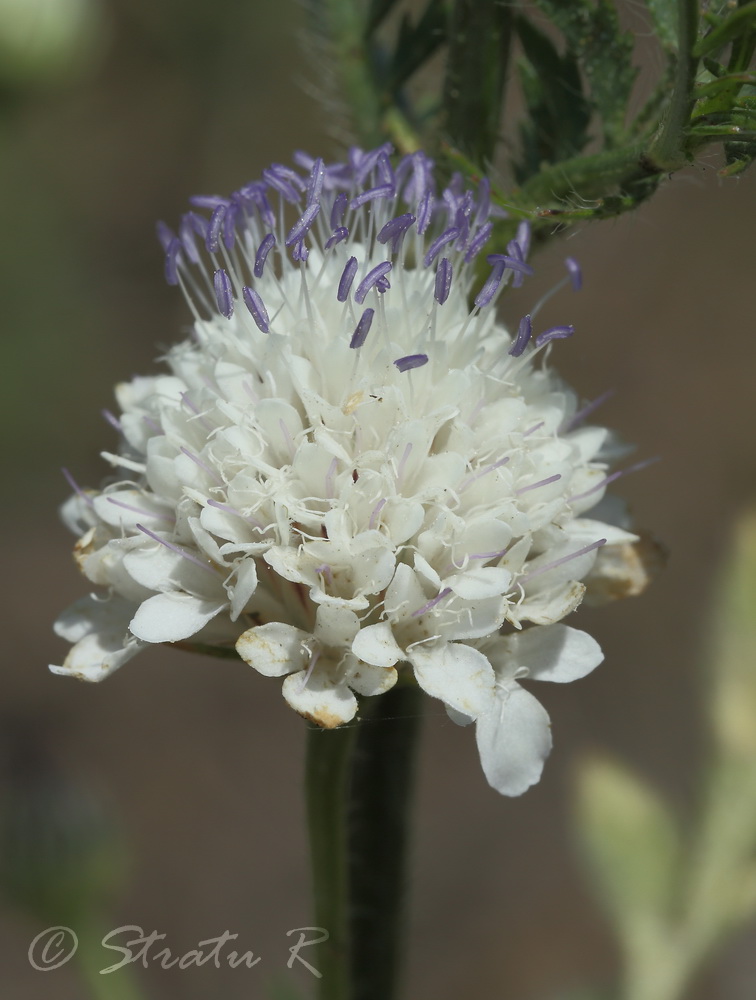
664, 16
556, 127
593, 34
630, 841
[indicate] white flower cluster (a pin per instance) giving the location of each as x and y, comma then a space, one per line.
349, 474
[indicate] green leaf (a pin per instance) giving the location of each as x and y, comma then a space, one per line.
605, 51
556, 126
730, 28
378, 10
630, 841
480, 34
416, 43
664, 16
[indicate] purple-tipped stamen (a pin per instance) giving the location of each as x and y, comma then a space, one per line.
227, 509
112, 420
282, 181
164, 234
299, 230
491, 286
564, 559
432, 603
522, 238
411, 361
346, 279
448, 236
395, 230
188, 233
425, 212
172, 257
266, 245
587, 410
554, 333
315, 187
201, 465
338, 209
207, 201
371, 278
175, 548
300, 252
255, 304
376, 512
541, 482
372, 194
77, 489
575, 272
478, 241
228, 227
224, 292
484, 201
444, 273
608, 480
141, 510
362, 329
524, 331
516, 264
339, 234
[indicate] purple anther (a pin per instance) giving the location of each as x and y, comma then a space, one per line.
77, 489
395, 230
172, 258
339, 234
411, 361
448, 236
299, 230
432, 603
228, 227
362, 329
554, 333
187, 234
522, 238
381, 191
207, 201
255, 304
587, 410
315, 185
212, 238
303, 159
491, 286
382, 285
542, 482
484, 200
300, 252
338, 209
478, 241
370, 279
422, 176
560, 562
376, 511
177, 549
575, 272
515, 250
164, 234
444, 273
385, 171
112, 419
279, 183
261, 256
425, 212
513, 263
224, 292
347, 277
364, 162
524, 330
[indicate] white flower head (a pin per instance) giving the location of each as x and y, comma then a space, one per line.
349, 474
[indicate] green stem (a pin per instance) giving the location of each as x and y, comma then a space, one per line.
382, 781
668, 150
327, 786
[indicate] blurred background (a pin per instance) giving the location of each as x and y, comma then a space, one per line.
113, 112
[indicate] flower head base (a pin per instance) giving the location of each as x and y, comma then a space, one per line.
349, 473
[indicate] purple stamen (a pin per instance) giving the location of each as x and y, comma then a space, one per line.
300, 252
478, 241
483, 472
140, 510
411, 361
224, 293
347, 277
513, 263
524, 331
541, 482
300, 228
362, 329
112, 419
76, 488
329, 483
588, 409
208, 201
484, 200
228, 228
522, 238
370, 279
187, 233
554, 333
395, 230
339, 235
447, 236
339, 208
202, 465
232, 510
615, 475
172, 257
372, 194
432, 603
315, 187
255, 304
314, 657
490, 288
164, 234
376, 511
261, 256
325, 570
212, 239
280, 178
444, 273
533, 429
382, 285
425, 212
564, 559
576, 273
175, 548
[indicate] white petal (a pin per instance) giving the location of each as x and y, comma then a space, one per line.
336, 626
172, 617
94, 614
554, 652
368, 680
479, 582
244, 588
376, 644
459, 718
459, 675
549, 606
274, 649
514, 740
323, 701
97, 655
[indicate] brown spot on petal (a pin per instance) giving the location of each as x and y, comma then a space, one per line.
323, 718
353, 402
83, 549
